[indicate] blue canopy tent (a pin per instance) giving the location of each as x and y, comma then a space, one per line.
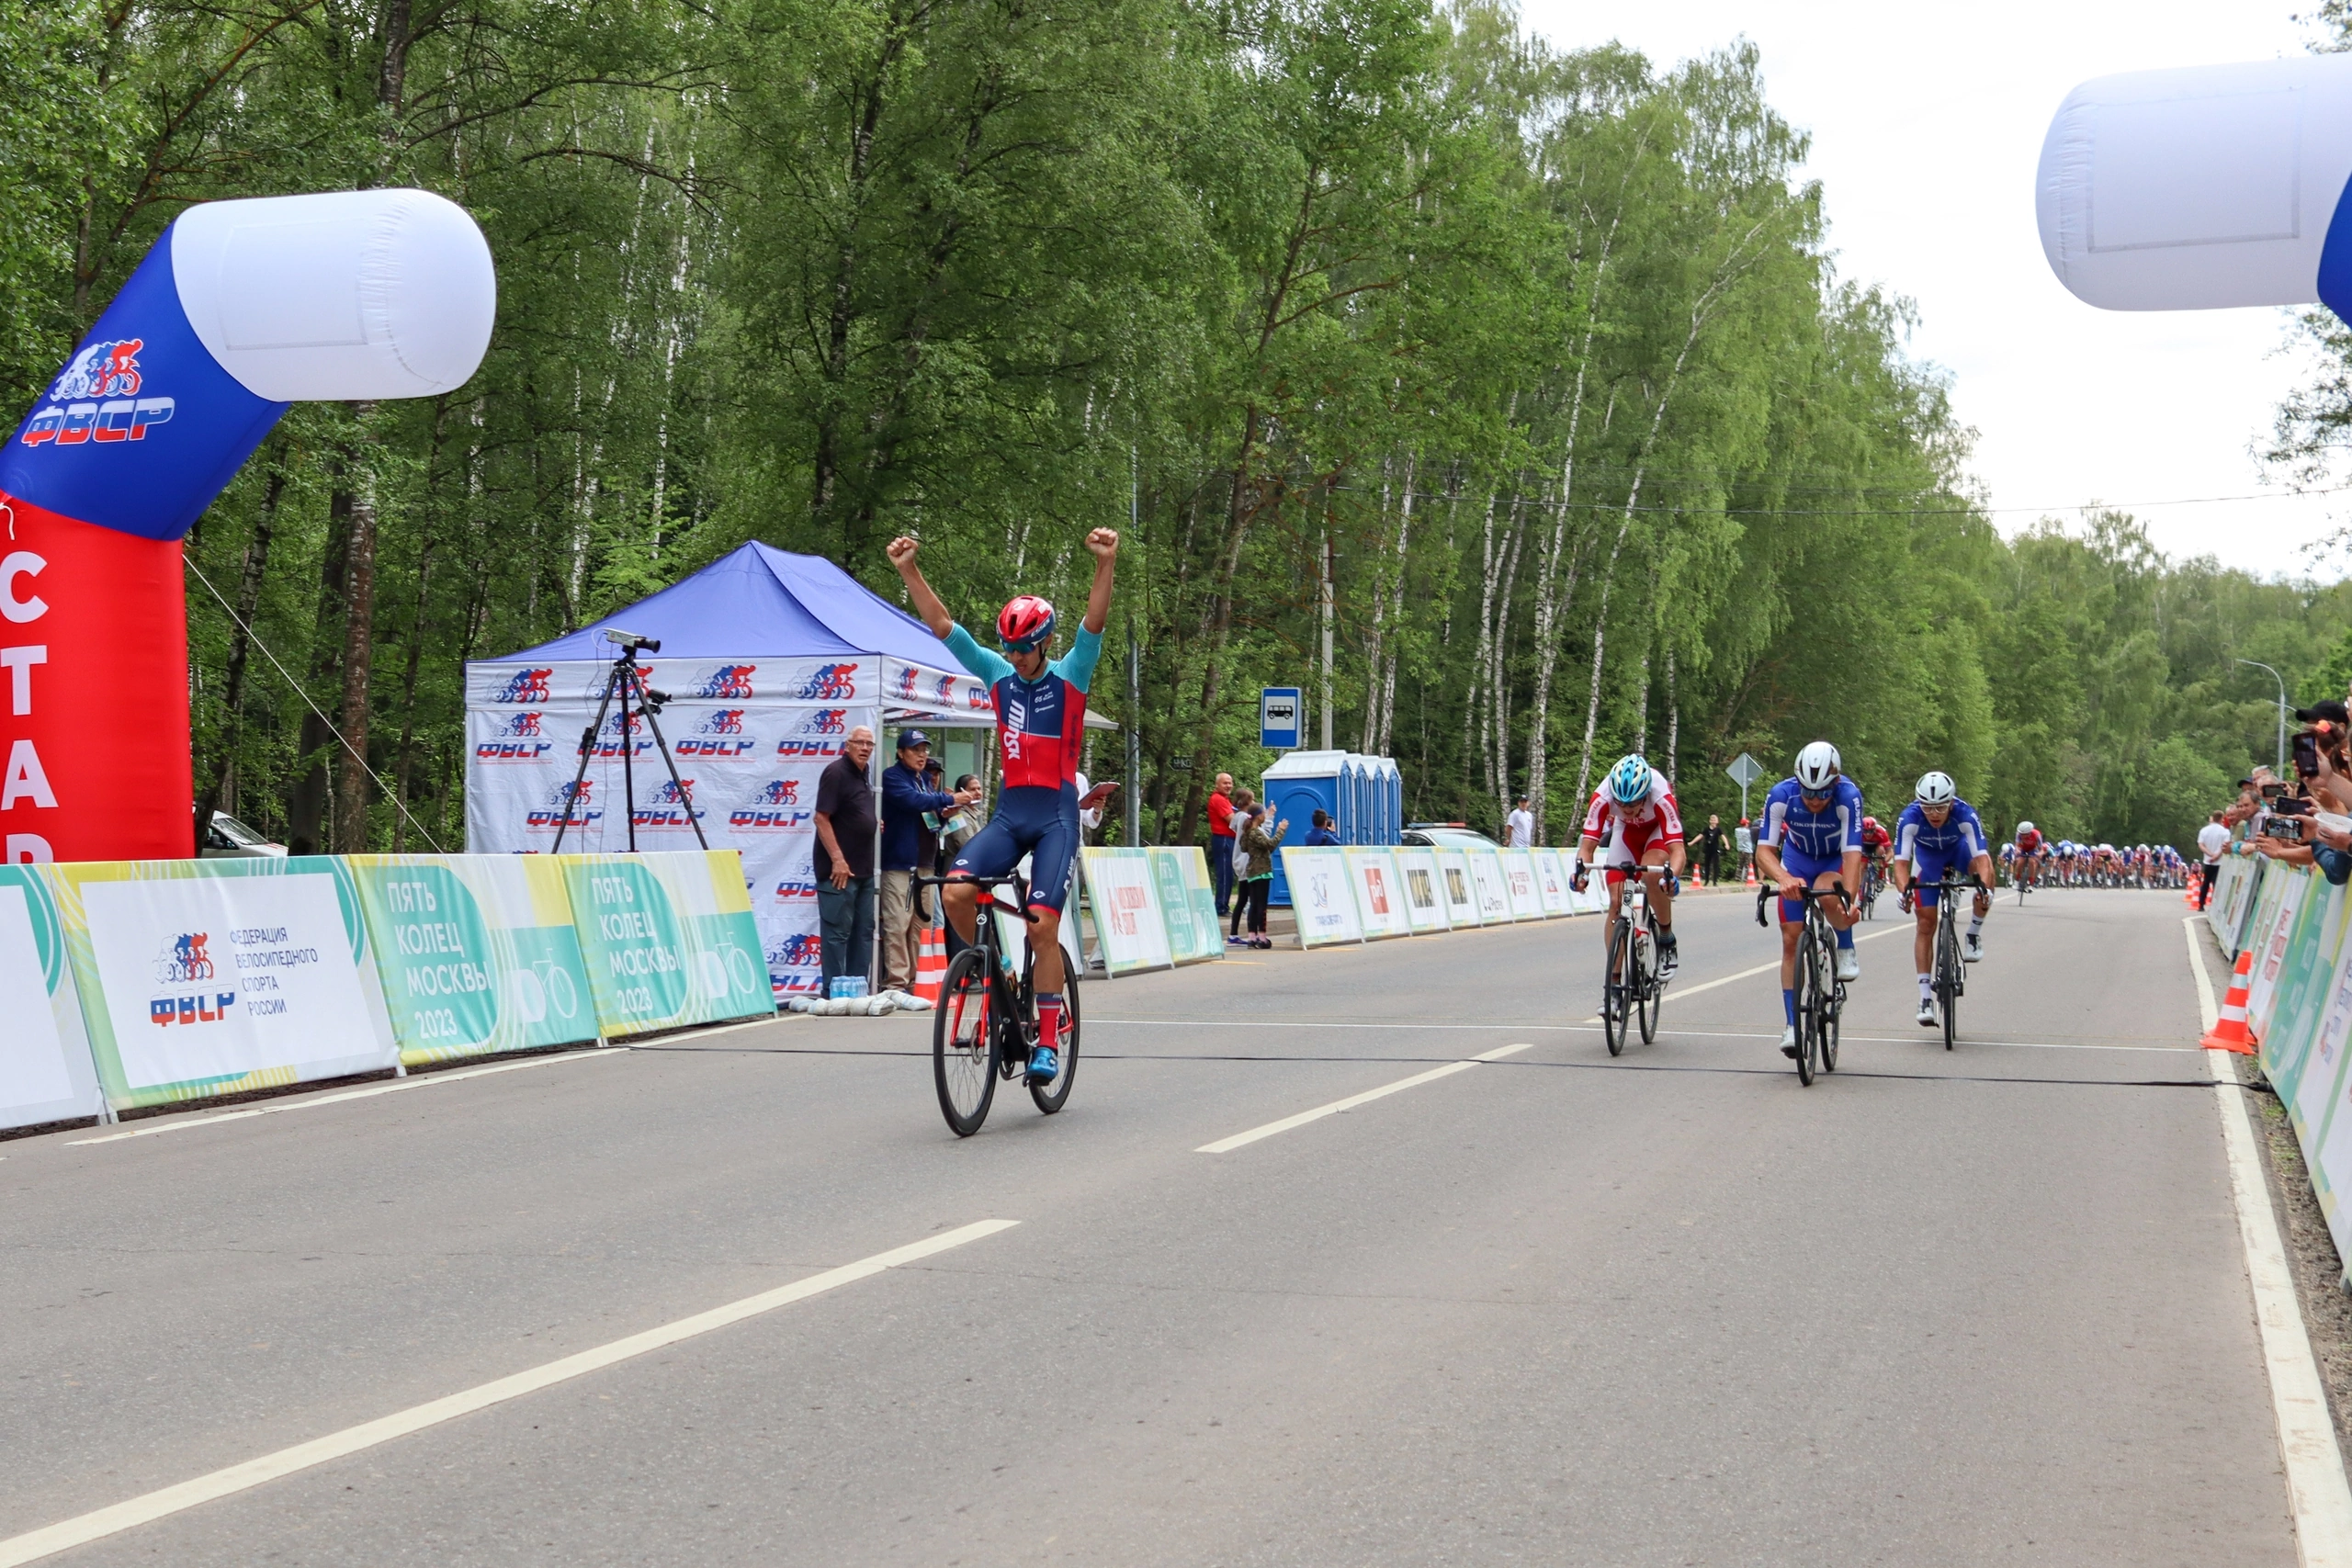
759, 603
767, 661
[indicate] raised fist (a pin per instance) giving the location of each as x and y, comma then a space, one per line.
901, 551
1104, 542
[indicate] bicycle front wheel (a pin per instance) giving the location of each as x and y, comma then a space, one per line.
1052, 1095
1809, 1004
1614, 993
962, 1044
1648, 987
1948, 984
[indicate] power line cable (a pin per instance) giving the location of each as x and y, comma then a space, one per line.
254, 638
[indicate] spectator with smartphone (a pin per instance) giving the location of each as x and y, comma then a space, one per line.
1257, 880
907, 795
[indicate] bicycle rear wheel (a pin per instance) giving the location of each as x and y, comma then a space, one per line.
1615, 995
1052, 1095
962, 1044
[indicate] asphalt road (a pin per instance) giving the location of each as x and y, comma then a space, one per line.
1984, 1307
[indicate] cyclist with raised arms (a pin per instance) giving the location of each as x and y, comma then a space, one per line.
1040, 726
1633, 814
1812, 838
1939, 830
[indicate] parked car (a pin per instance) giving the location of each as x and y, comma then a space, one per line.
1447, 836
228, 839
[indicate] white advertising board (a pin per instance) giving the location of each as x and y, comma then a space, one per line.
1460, 889
1424, 889
45, 1071
210, 978
1123, 895
1321, 896
1552, 883
1487, 886
1520, 886
1380, 893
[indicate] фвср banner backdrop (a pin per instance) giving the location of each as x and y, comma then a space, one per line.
45, 1072
477, 954
211, 977
669, 939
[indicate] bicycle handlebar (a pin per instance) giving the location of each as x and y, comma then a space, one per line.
1804, 895
1010, 879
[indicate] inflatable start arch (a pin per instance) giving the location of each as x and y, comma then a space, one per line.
241, 309
2201, 188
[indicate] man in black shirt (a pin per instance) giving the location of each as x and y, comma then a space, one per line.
1713, 842
842, 860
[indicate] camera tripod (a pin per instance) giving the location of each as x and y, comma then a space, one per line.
624, 680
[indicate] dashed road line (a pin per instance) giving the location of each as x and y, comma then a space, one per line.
1225, 1146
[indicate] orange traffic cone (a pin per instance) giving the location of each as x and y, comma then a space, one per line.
930, 963
2229, 1030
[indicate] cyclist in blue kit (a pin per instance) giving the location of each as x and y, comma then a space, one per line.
1938, 830
1040, 724
1812, 838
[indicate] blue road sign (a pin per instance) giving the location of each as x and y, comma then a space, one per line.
1278, 717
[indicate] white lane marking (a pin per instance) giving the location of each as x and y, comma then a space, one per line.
2205, 1004
2317, 1492
1224, 1145
36, 1544
424, 1080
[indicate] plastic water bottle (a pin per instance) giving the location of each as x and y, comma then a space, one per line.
848, 986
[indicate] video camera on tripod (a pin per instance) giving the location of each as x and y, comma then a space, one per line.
624, 683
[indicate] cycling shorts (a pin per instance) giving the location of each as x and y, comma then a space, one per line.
1928, 868
1035, 822
1628, 841
1805, 868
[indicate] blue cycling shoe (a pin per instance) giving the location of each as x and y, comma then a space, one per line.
1045, 1065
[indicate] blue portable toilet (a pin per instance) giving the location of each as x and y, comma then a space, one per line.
1392, 801
1295, 787
1350, 798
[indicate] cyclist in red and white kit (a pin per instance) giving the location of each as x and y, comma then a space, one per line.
1633, 823
2030, 846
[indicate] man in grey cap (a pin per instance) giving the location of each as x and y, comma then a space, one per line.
906, 796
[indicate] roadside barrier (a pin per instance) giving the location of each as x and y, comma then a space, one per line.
2285, 926
187, 979
1153, 909
1357, 894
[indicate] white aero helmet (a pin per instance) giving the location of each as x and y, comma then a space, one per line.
2025, 826
1818, 765
1935, 789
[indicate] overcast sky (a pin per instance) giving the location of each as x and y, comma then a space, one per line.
1926, 122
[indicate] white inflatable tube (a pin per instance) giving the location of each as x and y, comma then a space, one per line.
345, 294
2194, 189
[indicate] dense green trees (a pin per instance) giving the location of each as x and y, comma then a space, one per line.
1518, 380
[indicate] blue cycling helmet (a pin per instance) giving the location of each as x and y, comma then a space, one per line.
1629, 781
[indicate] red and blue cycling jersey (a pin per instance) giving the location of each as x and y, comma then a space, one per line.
1040, 724
1041, 729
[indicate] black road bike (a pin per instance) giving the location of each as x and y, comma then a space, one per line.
1949, 977
1873, 884
985, 1023
1632, 987
1821, 996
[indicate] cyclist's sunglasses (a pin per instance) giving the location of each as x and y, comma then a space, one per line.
1821, 799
